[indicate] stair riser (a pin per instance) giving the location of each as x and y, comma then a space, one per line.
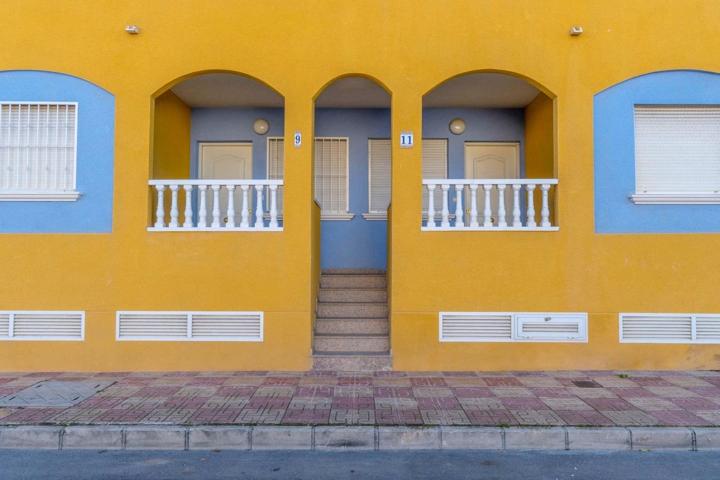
352, 326
350, 310
353, 364
352, 295
352, 344
352, 281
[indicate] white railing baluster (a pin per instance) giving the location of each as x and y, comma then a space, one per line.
202, 215
545, 212
487, 211
273, 206
210, 207
473, 206
259, 224
245, 214
502, 219
431, 206
531, 206
188, 220
231, 206
216, 206
445, 211
459, 213
160, 210
516, 205
517, 215
174, 213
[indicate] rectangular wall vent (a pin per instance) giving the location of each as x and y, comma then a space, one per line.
190, 326
669, 328
42, 325
512, 327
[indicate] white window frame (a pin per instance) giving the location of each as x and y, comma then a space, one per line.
347, 215
668, 198
13, 338
372, 214
40, 195
515, 319
693, 325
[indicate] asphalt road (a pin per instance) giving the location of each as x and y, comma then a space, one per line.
443, 465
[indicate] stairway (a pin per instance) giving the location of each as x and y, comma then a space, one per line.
351, 326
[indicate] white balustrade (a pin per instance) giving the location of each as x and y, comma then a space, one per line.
254, 201
506, 204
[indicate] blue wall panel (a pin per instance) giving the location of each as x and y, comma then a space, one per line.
92, 212
615, 154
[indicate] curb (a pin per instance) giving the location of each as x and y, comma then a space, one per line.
327, 438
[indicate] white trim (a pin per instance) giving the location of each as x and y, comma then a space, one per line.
373, 216
693, 319
337, 216
490, 181
514, 319
39, 196
209, 181
14, 338
219, 229
675, 198
188, 336
490, 229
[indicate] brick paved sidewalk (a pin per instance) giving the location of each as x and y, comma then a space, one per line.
383, 398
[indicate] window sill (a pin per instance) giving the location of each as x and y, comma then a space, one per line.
375, 216
10, 196
675, 198
337, 216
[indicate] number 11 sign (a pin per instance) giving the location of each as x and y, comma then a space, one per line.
406, 139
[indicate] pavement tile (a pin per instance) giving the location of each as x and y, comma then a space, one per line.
671, 392
630, 417
352, 417
523, 403
568, 403
584, 418
652, 404
712, 416
539, 381
472, 392
501, 381
491, 417
512, 392
491, 403
444, 417
537, 417
432, 392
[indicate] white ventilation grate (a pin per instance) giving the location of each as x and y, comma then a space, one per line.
512, 327
42, 325
669, 328
190, 326
475, 327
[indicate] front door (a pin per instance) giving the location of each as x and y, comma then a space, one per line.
492, 160
225, 161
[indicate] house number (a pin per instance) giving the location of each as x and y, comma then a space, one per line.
297, 139
406, 139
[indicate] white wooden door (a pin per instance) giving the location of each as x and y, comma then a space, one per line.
492, 160
226, 161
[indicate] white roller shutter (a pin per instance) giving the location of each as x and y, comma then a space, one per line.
331, 175
677, 149
379, 162
434, 166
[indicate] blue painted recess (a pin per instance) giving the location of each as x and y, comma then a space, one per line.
357, 243
615, 153
92, 212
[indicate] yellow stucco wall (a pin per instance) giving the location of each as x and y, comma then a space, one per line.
171, 137
410, 46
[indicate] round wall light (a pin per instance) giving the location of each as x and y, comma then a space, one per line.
261, 126
457, 126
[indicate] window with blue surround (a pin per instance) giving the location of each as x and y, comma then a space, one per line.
56, 154
657, 154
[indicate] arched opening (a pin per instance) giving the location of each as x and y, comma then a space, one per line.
488, 154
352, 167
217, 155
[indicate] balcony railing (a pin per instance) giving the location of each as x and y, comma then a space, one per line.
217, 205
488, 204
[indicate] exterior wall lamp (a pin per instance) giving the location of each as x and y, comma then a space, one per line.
261, 126
457, 126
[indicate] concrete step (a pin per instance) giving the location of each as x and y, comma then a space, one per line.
352, 343
353, 271
352, 281
352, 362
352, 310
371, 326
352, 295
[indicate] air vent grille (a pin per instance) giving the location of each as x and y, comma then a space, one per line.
652, 328
475, 327
512, 327
190, 326
42, 325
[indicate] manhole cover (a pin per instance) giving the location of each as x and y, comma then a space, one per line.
586, 384
54, 393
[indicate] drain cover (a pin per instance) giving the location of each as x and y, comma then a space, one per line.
586, 384
54, 393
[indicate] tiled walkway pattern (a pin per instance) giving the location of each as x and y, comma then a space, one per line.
384, 398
